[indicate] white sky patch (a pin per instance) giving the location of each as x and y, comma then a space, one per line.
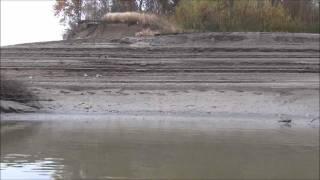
24, 21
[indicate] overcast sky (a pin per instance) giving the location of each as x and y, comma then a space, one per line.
25, 21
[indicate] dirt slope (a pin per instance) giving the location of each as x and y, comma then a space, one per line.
266, 74
104, 31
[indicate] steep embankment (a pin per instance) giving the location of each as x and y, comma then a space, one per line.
264, 74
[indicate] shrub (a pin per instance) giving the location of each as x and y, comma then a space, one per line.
15, 91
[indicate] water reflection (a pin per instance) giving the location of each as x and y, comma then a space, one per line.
157, 149
22, 166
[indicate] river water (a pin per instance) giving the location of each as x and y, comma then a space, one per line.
155, 147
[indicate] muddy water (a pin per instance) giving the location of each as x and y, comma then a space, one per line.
157, 148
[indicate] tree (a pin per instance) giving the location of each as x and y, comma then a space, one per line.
69, 10
124, 5
303, 10
73, 11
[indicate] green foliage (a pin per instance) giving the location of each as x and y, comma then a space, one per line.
240, 15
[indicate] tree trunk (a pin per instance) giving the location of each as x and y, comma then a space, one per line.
79, 10
140, 5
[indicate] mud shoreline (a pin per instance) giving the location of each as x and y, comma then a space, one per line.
267, 73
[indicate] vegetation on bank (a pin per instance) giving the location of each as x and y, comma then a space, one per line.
149, 21
204, 15
245, 15
16, 97
15, 91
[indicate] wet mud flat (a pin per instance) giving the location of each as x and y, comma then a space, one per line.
205, 105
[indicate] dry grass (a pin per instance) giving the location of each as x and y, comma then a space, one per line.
153, 24
246, 15
15, 91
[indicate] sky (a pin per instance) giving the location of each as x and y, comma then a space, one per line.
24, 21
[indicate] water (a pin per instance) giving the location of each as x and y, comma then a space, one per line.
156, 148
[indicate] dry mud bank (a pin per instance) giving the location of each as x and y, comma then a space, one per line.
271, 74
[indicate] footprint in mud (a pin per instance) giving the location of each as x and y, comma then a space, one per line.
64, 92
315, 119
190, 106
202, 89
79, 104
122, 93
91, 93
285, 93
113, 111
239, 91
144, 93
285, 120
173, 91
220, 91
88, 107
286, 125
35, 89
214, 107
257, 93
